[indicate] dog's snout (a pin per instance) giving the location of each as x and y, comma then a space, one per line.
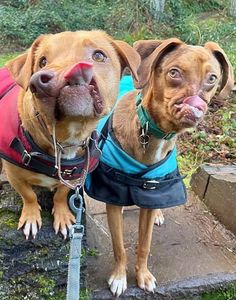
80, 74
40, 82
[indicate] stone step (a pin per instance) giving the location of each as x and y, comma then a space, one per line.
216, 187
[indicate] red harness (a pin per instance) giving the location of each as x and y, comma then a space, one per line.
18, 147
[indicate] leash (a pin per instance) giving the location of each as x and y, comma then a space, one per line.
77, 230
76, 235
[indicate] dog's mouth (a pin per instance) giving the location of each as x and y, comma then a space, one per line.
73, 94
190, 110
79, 100
97, 99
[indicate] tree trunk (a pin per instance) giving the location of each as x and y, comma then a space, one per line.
232, 8
157, 8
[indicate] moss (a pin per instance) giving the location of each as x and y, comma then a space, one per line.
223, 294
58, 296
46, 285
93, 252
84, 294
46, 214
8, 218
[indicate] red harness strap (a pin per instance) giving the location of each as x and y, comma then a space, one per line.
17, 147
10, 121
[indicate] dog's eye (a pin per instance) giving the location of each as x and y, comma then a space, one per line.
42, 62
99, 56
174, 73
212, 79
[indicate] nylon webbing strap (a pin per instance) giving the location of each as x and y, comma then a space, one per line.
145, 118
76, 235
73, 281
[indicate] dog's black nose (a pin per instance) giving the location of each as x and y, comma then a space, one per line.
41, 83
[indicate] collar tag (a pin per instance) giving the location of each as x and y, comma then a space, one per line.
144, 137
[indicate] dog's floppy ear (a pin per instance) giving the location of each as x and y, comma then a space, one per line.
21, 67
151, 51
146, 47
129, 57
227, 82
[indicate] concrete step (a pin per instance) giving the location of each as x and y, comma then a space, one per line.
191, 253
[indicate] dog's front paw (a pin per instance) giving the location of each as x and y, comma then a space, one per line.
118, 282
63, 219
31, 220
159, 220
146, 281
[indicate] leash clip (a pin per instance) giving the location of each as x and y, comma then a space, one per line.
76, 209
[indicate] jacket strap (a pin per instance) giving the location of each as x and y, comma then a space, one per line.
145, 183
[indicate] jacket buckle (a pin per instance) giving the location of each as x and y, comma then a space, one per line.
150, 184
26, 158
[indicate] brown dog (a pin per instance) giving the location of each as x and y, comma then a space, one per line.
68, 82
177, 82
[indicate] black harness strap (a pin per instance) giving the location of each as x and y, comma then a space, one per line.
38, 160
31, 160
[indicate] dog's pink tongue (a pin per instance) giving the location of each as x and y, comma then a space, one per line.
80, 74
196, 102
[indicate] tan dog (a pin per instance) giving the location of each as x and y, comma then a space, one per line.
177, 82
68, 82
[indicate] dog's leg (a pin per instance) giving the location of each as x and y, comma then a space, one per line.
117, 280
30, 216
159, 220
63, 218
145, 279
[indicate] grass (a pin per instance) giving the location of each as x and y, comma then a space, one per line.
6, 57
223, 294
188, 164
220, 29
212, 142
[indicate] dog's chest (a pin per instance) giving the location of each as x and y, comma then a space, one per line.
47, 182
70, 152
159, 155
